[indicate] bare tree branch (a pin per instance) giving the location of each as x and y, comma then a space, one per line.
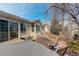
72, 12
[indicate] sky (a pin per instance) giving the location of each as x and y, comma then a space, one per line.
29, 11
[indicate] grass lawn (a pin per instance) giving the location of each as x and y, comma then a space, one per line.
74, 45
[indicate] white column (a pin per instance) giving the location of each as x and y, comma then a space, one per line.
19, 31
8, 30
29, 29
41, 29
35, 34
35, 28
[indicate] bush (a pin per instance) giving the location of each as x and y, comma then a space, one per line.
55, 31
74, 45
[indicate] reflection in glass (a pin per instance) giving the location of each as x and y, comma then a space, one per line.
32, 28
3, 30
13, 30
37, 28
23, 28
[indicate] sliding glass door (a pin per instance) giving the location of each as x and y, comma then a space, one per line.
8, 31
13, 30
3, 30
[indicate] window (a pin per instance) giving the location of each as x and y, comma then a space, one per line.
3, 30
32, 28
37, 28
13, 30
23, 28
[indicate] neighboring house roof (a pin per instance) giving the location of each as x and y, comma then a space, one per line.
38, 22
28, 48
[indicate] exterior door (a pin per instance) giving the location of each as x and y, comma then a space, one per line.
13, 30
3, 30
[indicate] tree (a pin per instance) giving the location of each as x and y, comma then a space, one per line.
70, 9
54, 22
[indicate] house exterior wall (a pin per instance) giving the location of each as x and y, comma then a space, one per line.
47, 28
14, 28
10, 29
4, 31
35, 31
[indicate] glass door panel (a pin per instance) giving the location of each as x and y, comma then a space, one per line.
3, 30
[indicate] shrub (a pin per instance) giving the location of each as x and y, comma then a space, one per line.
55, 31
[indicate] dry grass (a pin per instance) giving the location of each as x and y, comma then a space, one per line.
74, 45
